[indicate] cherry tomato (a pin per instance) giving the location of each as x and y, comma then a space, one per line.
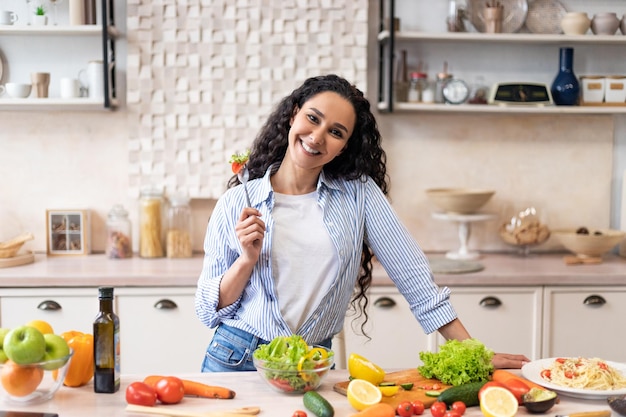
139, 393
517, 387
438, 409
459, 407
404, 409
451, 413
418, 407
170, 390
489, 384
299, 413
546, 374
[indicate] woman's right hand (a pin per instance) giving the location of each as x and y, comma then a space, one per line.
250, 231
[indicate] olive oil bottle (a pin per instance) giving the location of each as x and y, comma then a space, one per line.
106, 345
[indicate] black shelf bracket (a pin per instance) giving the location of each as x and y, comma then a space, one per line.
108, 53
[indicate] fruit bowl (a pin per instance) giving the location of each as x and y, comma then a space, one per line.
296, 377
459, 200
33, 383
589, 243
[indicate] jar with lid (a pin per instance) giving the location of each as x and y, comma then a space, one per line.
419, 82
442, 80
150, 223
119, 242
178, 239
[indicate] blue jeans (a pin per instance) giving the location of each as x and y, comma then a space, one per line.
231, 350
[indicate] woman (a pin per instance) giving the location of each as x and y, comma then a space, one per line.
293, 261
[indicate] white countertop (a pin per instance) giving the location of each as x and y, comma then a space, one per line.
499, 269
251, 391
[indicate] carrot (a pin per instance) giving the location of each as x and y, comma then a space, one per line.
377, 410
501, 376
197, 389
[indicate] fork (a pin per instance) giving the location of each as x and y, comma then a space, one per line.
243, 176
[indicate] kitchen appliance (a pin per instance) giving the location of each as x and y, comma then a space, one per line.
521, 93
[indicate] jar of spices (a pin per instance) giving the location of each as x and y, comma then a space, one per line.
150, 223
178, 239
119, 243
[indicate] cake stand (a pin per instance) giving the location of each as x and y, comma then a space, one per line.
464, 222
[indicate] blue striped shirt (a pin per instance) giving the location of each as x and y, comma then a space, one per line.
353, 212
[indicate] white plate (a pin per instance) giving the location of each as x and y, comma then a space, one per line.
532, 371
513, 18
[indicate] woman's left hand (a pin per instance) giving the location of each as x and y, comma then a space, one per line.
507, 360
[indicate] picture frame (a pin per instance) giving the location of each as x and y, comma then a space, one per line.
68, 232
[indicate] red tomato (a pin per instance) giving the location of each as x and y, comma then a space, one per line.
170, 390
546, 374
438, 409
418, 407
451, 413
404, 409
517, 387
139, 393
459, 407
299, 413
489, 384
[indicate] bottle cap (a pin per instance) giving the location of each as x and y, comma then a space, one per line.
105, 293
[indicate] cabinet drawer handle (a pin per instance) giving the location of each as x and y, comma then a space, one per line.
384, 302
49, 305
490, 302
594, 301
165, 304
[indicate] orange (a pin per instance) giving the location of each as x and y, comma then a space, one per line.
43, 326
20, 380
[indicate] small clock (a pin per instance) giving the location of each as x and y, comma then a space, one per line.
456, 91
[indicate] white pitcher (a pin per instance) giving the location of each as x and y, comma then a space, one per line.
95, 79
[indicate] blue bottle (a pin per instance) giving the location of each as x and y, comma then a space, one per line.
565, 88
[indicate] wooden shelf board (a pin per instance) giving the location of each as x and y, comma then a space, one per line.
490, 108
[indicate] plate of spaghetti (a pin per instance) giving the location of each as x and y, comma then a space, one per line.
587, 378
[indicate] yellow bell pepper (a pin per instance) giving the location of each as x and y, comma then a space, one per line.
81, 366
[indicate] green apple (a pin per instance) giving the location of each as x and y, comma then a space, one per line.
24, 345
3, 332
56, 348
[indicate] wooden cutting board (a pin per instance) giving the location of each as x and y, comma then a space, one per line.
400, 377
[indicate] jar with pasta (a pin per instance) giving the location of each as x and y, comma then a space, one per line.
178, 237
119, 243
150, 223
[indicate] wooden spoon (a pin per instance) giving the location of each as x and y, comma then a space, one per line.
171, 411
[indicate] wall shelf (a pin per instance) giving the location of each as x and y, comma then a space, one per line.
492, 108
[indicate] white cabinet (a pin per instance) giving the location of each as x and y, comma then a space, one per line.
65, 309
505, 319
159, 330
584, 321
396, 336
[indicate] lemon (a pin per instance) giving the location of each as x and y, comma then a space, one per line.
43, 326
362, 368
389, 391
362, 394
498, 402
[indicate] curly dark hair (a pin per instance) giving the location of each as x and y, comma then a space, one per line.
363, 155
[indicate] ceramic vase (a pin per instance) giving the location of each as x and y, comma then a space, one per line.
40, 20
575, 23
605, 23
565, 87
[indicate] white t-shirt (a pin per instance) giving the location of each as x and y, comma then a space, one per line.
304, 260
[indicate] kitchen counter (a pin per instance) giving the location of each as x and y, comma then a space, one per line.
499, 269
251, 391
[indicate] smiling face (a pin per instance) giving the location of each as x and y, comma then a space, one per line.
320, 130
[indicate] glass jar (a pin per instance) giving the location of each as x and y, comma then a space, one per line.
179, 228
150, 223
419, 82
119, 242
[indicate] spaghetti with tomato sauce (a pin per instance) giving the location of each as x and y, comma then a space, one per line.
584, 373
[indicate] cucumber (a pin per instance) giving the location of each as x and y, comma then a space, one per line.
317, 404
467, 393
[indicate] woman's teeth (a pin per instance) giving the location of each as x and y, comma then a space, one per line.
309, 149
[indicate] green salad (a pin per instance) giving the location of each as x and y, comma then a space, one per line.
288, 362
458, 363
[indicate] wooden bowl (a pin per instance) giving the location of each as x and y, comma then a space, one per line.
595, 244
10, 248
459, 200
